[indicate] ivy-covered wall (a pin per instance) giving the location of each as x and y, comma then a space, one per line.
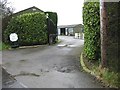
91, 21
30, 27
112, 9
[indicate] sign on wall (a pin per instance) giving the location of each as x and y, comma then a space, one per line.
13, 37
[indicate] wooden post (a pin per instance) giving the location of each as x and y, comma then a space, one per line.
103, 17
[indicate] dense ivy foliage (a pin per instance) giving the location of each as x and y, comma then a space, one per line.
30, 27
91, 21
112, 9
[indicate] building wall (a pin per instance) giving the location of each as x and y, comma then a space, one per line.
78, 29
30, 10
58, 31
66, 31
70, 31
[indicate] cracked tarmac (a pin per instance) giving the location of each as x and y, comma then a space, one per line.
46, 66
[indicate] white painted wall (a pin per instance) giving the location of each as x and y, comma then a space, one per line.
70, 30
66, 33
58, 31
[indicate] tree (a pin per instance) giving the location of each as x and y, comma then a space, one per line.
5, 9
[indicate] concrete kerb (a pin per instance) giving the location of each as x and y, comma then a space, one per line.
84, 66
35, 46
25, 47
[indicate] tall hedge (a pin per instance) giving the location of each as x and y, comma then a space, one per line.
54, 19
53, 16
91, 21
30, 27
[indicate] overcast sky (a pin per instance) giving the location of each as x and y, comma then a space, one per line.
69, 11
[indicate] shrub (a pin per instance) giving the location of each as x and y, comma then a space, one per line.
30, 27
91, 21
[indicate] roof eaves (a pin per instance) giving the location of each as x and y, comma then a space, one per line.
28, 9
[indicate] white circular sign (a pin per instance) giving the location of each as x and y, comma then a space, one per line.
13, 37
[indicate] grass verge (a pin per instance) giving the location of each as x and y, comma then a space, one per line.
107, 77
3, 46
0, 46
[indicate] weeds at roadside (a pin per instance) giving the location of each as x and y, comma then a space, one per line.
4, 46
107, 77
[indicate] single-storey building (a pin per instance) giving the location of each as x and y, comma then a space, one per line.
70, 29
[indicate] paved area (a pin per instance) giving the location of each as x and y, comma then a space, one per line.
0, 77
8, 81
0, 70
55, 66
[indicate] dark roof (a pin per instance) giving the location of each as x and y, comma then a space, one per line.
68, 26
28, 9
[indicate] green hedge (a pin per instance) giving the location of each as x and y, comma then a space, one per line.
54, 19
91, 21
52, 26
30, 27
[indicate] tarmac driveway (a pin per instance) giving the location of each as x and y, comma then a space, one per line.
46, 66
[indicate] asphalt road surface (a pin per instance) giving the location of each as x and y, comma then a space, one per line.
55, 66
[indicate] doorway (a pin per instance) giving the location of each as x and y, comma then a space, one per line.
62, 31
